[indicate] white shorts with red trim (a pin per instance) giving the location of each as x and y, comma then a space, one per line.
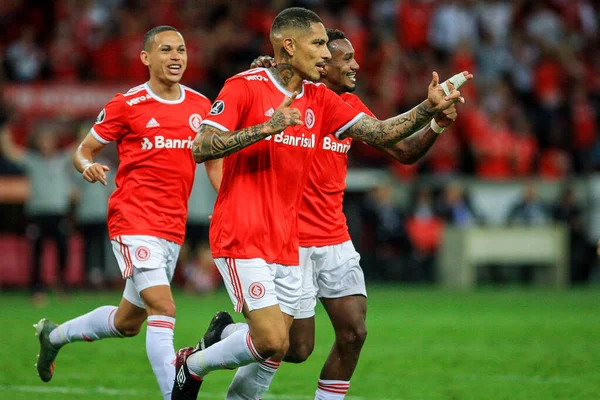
261, 284
145, 261
329, 272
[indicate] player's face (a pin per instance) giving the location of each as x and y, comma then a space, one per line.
167, 59
340, 71
311, 53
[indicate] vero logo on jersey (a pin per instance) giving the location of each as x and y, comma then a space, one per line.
138, 100
160, 142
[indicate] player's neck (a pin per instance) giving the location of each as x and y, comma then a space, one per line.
170, 91
286, 77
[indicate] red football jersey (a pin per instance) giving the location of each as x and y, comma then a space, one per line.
156, 171
321, 219
256, 212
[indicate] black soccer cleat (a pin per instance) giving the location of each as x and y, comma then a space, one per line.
215, 329
186, 385
48, 352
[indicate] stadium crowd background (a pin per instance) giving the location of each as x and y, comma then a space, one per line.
532, 113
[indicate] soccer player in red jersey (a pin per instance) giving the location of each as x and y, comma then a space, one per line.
153, 125
329, 262
268, 147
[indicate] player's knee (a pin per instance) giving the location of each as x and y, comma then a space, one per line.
271, 345
299, 352
352, 337
166, 307
128, 328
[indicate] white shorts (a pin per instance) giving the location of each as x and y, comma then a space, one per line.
329, 272
261, 284
145, 261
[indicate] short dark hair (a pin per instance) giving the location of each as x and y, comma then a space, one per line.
295, 17
149, 36
334, 34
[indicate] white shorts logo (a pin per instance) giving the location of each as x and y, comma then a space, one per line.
256, 290
142, 253
195, 120
309, 118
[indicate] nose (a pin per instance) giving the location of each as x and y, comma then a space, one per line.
326, 54
354, 65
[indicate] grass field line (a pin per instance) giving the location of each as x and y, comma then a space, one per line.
100, 390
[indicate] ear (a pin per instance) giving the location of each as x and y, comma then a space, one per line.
145, 57
289, 46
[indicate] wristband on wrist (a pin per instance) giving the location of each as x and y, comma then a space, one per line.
435, 127
86, 167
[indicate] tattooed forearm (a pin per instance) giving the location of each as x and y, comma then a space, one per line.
411, 149
389, 132
212, 143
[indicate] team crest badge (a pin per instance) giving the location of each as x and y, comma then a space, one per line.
309, 118
142, 253
195, 120
256, 290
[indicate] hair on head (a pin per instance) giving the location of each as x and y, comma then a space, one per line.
149, 36
294, 17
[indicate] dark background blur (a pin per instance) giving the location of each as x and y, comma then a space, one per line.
524, 153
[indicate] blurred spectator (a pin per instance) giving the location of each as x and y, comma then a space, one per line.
24, 58
530, 210
383, 216
424, 228
200, 272
49, 172
567, 211
455, 207
90, 220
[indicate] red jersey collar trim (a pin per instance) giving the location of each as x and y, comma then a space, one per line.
161, 100
281, 88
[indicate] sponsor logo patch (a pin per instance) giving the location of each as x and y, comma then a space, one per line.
217, 108
101, 116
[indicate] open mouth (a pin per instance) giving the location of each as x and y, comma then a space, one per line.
321, 69
351, 76
175, 69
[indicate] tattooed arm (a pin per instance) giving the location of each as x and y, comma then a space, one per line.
411, 149
212, 143
388, 133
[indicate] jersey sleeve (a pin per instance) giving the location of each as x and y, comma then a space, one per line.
357, 103
339, 115
228, 110
112, 122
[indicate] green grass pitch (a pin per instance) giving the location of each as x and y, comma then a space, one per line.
423, 344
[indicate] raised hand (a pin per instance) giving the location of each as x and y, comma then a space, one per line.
438, 99
446, 117
95, 172
284, 116
263, 62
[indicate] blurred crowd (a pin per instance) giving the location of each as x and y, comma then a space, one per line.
534, 108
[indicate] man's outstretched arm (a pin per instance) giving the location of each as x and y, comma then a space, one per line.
386, 134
